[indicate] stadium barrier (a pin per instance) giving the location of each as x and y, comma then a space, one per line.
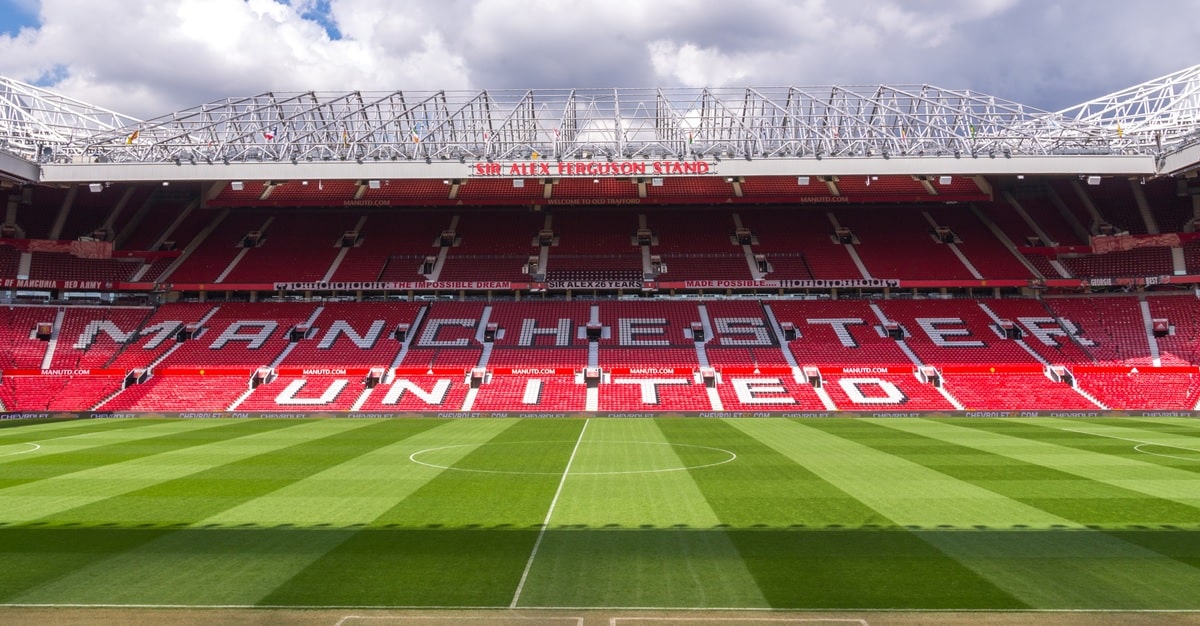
506, 286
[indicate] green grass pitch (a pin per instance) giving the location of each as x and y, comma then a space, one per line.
888, 513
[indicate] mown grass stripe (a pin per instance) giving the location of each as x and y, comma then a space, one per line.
189, 485
537, 543
808, 542
995, 462
45, 483
1179, 425
49, 431
633, 529
213, 563
910, 494
1057, 444
1064, 568
460, 539
1168, 445
65, 454
356, 492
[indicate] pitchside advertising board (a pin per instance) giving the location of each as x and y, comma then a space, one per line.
590, 285
873, 283
22, 416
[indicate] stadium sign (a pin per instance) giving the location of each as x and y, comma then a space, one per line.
839, 283
537, 168
594, 284
39, 283
468, 285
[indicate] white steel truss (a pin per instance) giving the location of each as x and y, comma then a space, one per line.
37, 124
1165, 110
501, 125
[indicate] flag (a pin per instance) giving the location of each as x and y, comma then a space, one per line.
1120, 131
690, 139
133, 136
557, 134
972, 131
345, 137
534, 155
416, 137
269, 134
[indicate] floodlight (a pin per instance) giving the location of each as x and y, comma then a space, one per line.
944, 180
237, 185
802, 180
373, 184
95, 187
1093, 180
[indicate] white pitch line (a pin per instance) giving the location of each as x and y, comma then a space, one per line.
578, 621
35, 448
546, 523
476, 607
732, 457
615, 621
1140, 444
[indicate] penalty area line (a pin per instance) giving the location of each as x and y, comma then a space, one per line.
546, 523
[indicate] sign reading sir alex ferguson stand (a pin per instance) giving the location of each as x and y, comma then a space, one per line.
593, 168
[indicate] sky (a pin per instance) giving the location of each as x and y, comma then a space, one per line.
148, 58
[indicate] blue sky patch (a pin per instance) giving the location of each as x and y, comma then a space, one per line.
318, 11
53, 76
17, 14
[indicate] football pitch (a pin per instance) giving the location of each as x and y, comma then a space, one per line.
843, 514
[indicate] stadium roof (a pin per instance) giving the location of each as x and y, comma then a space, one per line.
782, 130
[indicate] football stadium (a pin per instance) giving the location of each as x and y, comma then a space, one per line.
886, 354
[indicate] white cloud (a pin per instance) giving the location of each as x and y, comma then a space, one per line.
156, 57
692, 66
151, 57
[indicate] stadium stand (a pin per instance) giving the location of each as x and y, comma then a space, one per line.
578, 276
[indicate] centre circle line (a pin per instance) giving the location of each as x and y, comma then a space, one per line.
1168, 456
35, 448
731, 456
1138, 448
